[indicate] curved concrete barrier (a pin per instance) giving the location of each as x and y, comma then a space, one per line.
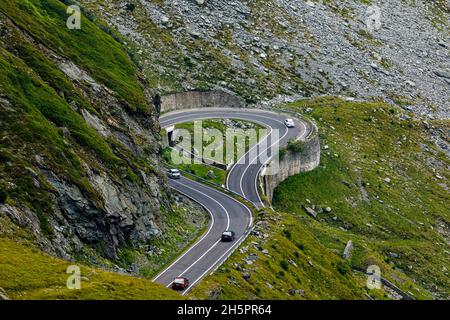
292, 162
200, 99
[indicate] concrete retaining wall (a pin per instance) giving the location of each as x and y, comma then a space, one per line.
200, 99
292, 163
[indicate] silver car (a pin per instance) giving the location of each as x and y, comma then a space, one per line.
289, 123
174, 174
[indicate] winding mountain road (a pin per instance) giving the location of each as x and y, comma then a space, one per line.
226, 212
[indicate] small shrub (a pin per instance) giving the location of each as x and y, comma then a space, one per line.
280, 274
188, 62
342, 268
295, 146
282, 153
3, 196
287, 233
46, 228
130, 7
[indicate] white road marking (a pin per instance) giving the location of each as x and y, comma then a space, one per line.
228, 226
250, 163
195, 245
217, 261
248, 210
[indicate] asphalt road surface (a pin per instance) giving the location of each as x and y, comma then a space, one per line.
226, 212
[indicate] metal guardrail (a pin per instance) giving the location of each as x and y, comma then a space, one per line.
203, 160
218, 186
244, 201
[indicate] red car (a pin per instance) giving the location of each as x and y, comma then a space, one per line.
180, 283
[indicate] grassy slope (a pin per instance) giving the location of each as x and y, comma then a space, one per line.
40, 94
297, 266
91, 48
367, 143
27, 273
37, 101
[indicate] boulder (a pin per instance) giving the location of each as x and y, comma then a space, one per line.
211, 174
310, 212
3, 295
443, 73
296, 292
348, 250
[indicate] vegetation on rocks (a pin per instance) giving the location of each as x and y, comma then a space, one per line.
80, 176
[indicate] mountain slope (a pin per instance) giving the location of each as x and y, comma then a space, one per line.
31, 274
80, 145
381, 184
262, 49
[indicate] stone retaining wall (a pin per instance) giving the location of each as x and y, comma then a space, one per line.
292, 163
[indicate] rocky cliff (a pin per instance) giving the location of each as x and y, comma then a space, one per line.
79, 148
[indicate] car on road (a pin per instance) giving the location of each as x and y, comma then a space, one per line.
289, 123
228, 236
174, 174
180, 283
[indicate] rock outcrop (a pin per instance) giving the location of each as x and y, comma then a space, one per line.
3, 295
80, 169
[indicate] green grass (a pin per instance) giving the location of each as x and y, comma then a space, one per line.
91, 48
32, 275
241, 145
367, 142
241, 140
295, 261
36, 98
200, 170
43, 104
183, 226
29, 128
44, 135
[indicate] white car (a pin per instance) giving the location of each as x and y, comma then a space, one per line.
174, 174
289, 123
